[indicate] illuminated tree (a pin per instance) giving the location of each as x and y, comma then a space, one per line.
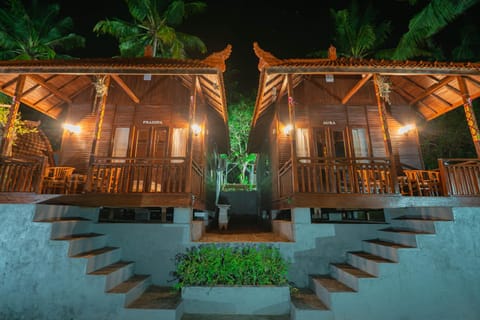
239, 160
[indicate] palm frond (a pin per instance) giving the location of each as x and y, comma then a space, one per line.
192, 42
429, 21
179, 10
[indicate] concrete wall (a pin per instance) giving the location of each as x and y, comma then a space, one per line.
37, 279
152, 246
318, 245
242, 202
439, 280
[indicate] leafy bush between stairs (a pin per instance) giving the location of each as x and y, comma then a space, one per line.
245, 265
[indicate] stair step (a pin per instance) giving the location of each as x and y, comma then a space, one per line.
368, 262
78, 236
393, 245
372, 257
405, 231
402, 235
111, 268
353, 270
95, 252
349, 275
331, 284
129, 284
156, 297
305, 298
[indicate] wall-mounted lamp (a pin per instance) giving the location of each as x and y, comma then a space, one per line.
406, 129
287, 129
196, 129
71, 128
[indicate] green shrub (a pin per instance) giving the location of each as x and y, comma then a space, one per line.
210, 265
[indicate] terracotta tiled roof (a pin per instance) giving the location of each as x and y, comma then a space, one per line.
430, 87
108, 65
51, 84
378, 65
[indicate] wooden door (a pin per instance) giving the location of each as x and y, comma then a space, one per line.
150, 143
330, 142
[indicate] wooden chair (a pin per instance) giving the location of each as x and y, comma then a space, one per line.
373, 181
423, 182
56, 179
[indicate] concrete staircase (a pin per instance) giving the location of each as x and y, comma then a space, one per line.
142, 300
378, 257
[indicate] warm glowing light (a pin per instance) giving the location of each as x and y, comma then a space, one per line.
405, 129
287, 129
196, 129
72, 128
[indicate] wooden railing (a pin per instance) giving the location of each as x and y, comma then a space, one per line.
197, 180
460, 176
285, 179
135, 175
21, 175
339, 175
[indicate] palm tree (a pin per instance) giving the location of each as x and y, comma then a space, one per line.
154, 23
357, 35
35, 32
436, 15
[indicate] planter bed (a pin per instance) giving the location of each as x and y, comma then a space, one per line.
244, 300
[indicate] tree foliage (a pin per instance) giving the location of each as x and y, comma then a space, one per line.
240, 116
35, 32
435, 16
357, 34
154, 23
447, 136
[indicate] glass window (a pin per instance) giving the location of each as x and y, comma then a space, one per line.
302, 143
179, 144
120, 142
360, 142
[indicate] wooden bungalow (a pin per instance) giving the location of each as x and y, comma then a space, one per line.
139, 131
340, 133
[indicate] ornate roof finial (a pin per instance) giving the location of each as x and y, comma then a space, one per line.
217, 59
148, 51
332, 53
265, 58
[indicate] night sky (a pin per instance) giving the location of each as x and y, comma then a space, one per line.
287, 29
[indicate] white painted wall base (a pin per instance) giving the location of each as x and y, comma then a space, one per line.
246, 300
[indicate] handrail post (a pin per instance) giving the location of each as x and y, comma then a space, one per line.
393, 174
443, 177
39, 185
293, 148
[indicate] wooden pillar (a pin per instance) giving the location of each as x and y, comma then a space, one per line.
9, 130
469, 114
101, 86
293, 144
191, 121
382, 111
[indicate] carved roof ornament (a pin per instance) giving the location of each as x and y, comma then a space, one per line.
332, 53
217, 59
265, 58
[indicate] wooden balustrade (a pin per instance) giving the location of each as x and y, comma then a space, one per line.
285, 179
134, 175
336, 175
21, 175
460, 176
197, 180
